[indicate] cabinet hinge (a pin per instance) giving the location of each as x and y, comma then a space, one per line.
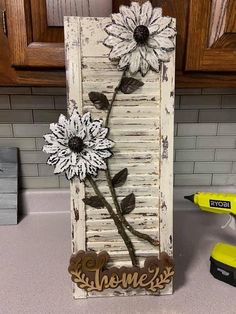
4, 22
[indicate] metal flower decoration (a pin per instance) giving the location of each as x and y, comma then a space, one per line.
140, 38
78, 146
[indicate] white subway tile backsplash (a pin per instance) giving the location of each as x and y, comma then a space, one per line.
200, 102
32, 102
188, 91
32, 157
193, 179
6, 130
4, 102
45, 170
217, 115
182, 116
195, 155
216, 142
183, 167
21, 143
212, 167
194, 129
226, 129
224, 179
15, 116
39, 182
185, 142
32, 130
49, 90
28, 170
49, 116
18, 90
219, 91
229, 101
60, 102
225, 155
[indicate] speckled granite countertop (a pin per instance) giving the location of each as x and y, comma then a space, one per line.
34, 257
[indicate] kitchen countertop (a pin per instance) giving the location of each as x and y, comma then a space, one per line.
34, 258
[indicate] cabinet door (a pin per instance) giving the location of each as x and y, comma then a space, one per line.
211, 44
35, 28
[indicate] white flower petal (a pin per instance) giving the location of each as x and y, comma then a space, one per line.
143, 51
91, 169
153, 61
156, 13
131, 24
64, 152
63, 120
111, 41
86, 119
75, 124
136, 8
71, 172
119, 31
73, 159
94, 127
122, 49
152, 43
124, 61
50, 149
92, 158
62, 165
82, 169
167, 32
165, 43
117, 18
103, 144
102, 133
135, 61
153, 28
144, 67
50, 138
104, 153
146, 13
162, 55
52, 160
57, 130
163, 22
127, 12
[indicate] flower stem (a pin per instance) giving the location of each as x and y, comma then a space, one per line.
113, 99
141, 235
120, 227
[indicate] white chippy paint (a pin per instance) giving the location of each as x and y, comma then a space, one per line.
141, 125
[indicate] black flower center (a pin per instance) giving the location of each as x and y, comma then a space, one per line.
76, 144
141, 34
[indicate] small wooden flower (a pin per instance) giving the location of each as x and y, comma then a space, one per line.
140, 38
78, 146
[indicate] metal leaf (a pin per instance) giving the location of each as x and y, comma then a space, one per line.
128, 204
120, 178
129, 85
99, 100
93, 201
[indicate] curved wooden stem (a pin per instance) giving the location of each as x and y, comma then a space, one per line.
113, 99
120, 227
141, 235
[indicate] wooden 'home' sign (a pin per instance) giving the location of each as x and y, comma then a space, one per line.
116, 147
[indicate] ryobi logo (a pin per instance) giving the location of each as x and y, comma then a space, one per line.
220, 204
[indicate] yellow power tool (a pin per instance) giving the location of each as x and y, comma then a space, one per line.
223, 256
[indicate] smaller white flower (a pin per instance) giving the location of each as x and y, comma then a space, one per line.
78, 146
140, 38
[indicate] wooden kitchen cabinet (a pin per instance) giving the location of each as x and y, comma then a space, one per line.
34, 48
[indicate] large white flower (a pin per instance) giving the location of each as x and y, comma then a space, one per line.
78, 146
140, 37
